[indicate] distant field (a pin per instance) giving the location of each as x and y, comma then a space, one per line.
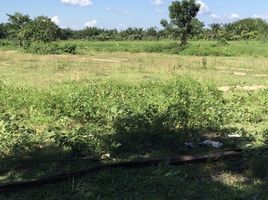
194, 48
197, 48
19, 68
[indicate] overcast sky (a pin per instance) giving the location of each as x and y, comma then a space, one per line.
129, 13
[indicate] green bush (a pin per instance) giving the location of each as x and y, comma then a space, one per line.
15, 139
68, 48
5, 43
50, 48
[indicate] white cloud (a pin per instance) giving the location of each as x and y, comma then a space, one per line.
160, 12
78, 2
56, 20
108, 8
127, 12
92, 23
158, 2
264, 17
214, 16
233, 16
204, 9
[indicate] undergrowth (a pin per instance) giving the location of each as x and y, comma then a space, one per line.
100, 117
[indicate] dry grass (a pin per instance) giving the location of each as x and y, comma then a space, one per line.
43, 70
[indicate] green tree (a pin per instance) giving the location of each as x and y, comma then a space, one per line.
182, 13
41, 29
215, 30
16, 23
198, 28
152, 33
3, 31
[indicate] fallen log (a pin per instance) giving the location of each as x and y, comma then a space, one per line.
179, 160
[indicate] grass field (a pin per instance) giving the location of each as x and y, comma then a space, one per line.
118, 101
44, 70
194, 48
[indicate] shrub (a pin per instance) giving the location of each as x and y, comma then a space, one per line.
15, 139
5, 43
68, 48
50, 48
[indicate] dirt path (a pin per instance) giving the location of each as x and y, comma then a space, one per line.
239, 73
73, 57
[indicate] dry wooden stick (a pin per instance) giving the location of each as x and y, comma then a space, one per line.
179, 160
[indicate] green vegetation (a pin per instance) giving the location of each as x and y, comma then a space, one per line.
103, 96
67, 111
23, 30
182, 15
195, 48
83, 116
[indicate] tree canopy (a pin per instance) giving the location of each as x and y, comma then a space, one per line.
41, 29
183, 25
182, 19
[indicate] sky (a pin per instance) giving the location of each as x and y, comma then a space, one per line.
121, 14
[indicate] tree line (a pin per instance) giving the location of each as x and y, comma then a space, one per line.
183, 24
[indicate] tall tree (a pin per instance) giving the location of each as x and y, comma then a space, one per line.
182, 13
3, 31
41, 29
215, 30
16, 23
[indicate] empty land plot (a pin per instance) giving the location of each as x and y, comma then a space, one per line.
43, 70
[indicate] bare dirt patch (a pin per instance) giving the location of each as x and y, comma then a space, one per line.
239, 73
105, 60
244, 88
241, 69
260, 75
221, 68
74, 57
9, 51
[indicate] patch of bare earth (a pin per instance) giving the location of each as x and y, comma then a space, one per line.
260, 75
221, 68
239, 73
73, 57
244, 88
241, 69
9, 51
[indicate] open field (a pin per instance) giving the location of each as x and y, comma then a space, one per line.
43, 70
61, 113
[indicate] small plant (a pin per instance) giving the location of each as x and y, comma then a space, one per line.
15, 139
222, 41
204, 62
69, 48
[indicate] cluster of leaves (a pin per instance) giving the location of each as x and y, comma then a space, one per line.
182, 17
244, 29
25, 30
15, 138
